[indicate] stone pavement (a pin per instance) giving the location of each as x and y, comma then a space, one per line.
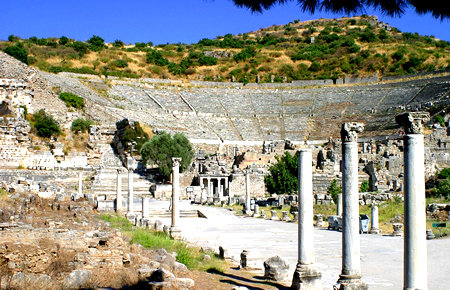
381, 256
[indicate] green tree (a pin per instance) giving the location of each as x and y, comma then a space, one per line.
96, 43
162, 147
18, 52
45, 125
334, 189
63, 40
282, 178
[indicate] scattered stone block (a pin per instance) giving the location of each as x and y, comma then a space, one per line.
276, 269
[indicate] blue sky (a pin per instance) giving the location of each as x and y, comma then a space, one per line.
169, 21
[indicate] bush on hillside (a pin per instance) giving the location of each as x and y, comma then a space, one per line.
96, 43
45, 125
18, 52
72, 100
155, 57
81, 125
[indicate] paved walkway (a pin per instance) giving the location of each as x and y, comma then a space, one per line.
381, 256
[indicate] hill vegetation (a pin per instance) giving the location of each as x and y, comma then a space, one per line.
319, 49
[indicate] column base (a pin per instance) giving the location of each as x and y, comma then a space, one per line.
306, 277
175, 233
351, 282
374, 231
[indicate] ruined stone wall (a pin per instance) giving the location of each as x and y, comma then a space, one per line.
14, 142
257, 187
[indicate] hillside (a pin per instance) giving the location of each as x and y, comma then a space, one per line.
319, 49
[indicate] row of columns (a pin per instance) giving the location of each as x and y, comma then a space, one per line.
306, 275
221, 190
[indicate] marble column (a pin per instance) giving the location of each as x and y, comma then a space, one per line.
119, 192
130, 214
208, 193
247, 192
374, 229
227, 191
306, 275
350, 277
174, 230
80, 184
145, 208
339, 205
415, 244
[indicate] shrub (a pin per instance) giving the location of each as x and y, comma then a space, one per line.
155, 57
63, 40
118, 43
444, 173
80, 47
120, 63
96, 43
18, 52
246, 53
72, 100
81, 125
364, 186
441, 121
45, 125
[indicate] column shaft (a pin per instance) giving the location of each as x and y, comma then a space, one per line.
130, 192
415, 252
119, 192
305, 209
247, 192
350, 228
306, 275
175, 193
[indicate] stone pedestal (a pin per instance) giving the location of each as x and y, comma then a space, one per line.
285, 216
244, 256
256, 212
274, 215
398, 229
374, 227
319, 221
350, 277
263, 214
175, 232
306, 276
415, 244
295, 214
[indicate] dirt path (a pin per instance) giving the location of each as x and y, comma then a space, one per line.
232, 277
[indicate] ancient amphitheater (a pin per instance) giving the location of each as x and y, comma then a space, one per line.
231, 112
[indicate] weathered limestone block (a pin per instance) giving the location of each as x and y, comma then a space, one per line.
276, 269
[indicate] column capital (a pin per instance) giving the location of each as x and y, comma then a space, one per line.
349, 131
412, 122
176, 161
